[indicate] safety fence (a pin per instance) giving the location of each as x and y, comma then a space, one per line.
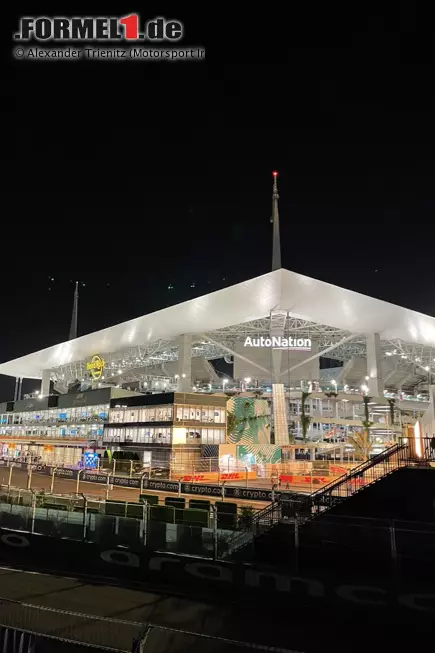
397, 540
308, 474
158, 639
377, 546
99, 633
398, 455
29, 628
223, 487
174, 524
304, 509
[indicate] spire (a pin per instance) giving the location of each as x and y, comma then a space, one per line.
276, 247
73, 328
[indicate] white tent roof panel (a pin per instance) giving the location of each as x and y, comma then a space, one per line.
303, 297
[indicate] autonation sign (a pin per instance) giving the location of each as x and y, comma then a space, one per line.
299, 344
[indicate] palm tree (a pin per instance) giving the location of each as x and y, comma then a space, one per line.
366, 422
305, 419
232, 423
391, 403
360, 441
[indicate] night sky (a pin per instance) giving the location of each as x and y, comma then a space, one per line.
135, 176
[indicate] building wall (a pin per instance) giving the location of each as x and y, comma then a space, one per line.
173, 425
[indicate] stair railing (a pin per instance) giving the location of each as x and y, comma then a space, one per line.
262, 521
364, 474
368, 472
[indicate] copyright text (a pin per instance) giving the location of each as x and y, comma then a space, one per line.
106, 54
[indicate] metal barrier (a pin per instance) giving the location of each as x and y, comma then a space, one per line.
13, 641
391, 547
172, 526
409, 452
261, 522
303, 474
222, 489
116, 635
160, 638
303, 508
73, 627
361, 476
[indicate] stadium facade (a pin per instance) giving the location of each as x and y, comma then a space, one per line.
282, 334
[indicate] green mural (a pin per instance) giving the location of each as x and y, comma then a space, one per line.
264, 453
248, 420
249, 428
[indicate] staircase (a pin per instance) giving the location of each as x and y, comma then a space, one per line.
359, 478
270, 524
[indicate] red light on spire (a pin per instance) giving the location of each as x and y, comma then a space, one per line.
274, 173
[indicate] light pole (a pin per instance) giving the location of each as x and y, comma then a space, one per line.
33, 509
29, 476
108, 486
141, 479
78, 479
85, 515
11, 467
215, 533
53, 473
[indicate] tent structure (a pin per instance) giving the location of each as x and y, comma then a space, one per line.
343, 325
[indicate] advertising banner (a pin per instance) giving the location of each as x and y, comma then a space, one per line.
315, 480
94, 477
122, 481
215, 477
200, 489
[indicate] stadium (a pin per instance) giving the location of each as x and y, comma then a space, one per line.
308, 365
332, 344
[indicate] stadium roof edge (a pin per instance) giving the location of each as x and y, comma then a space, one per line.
303, 297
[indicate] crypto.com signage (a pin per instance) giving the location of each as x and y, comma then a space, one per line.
293, 344
101, 28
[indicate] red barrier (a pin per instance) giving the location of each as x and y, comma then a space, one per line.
316, 480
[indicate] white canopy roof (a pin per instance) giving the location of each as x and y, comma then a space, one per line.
303, 297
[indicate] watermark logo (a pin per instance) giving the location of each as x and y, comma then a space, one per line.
90, 31
295, 344
101, 28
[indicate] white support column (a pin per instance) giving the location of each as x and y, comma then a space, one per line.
278, 320
17, 386
374, 365
184, 369
45, 383
279, 414
428, 419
